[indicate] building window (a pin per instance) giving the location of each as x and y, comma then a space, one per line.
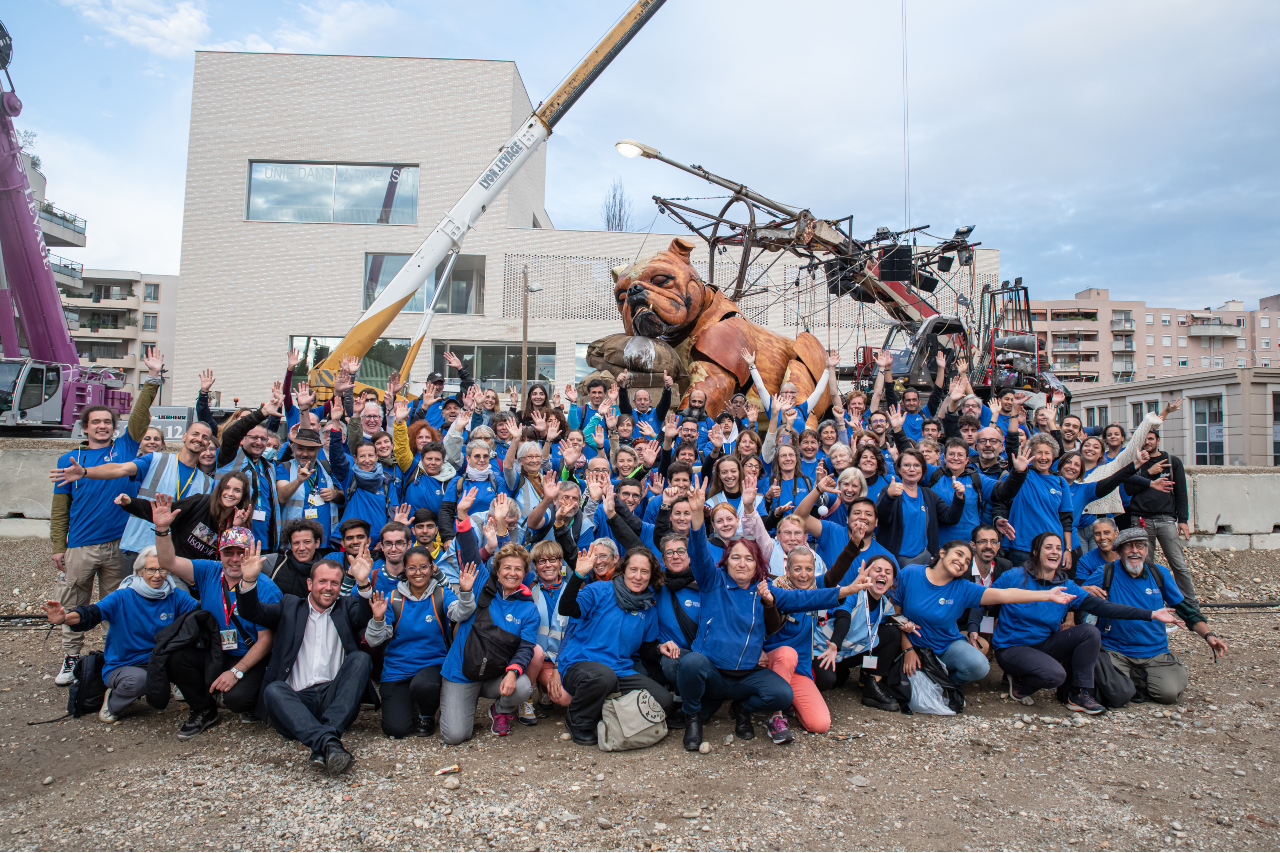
1151, 340
1275, 428
1182, 361
333, 192
1241, 343
496, 365
1210, 438
580, 366
1168, 361
1217, 362
1151, 361
1137, 416
1182, 319
1151, 319
1103, 414
1240, 362
148, 347
151, 293
1266, 343
1204, 361
150, 322
1166, 340
1089, 416
1265, 322
1164, 319
1182, 341
1266, 361
465, 293
1240, 322
386, 355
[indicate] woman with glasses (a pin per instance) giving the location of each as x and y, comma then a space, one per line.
523, 472
145, 603
420, 612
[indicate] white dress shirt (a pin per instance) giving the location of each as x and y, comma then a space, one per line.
321, 654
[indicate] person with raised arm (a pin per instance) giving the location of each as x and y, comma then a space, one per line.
244, 443
783, 409
729, 661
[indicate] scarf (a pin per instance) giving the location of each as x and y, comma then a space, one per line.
370, 481
144, 589
785, 582
474, 473
679, 580
631, 602
301, 569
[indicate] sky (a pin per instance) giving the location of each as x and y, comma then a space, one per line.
1130, 146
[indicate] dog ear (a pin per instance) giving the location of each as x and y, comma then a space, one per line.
681, 248
619, 271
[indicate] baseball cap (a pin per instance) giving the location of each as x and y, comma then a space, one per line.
236, 537
436, 377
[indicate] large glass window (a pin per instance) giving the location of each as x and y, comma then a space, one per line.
1275, 428
333, 192
495, 364
386, 355
150, 322
1103, 415
466, 283
151, 292
1210, 436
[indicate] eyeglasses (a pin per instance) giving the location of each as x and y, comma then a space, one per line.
988, 441
418, 570
547, 561
675, 552
255, 438
147, 570
394, 545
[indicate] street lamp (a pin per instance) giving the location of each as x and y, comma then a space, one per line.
524, 341
631, 149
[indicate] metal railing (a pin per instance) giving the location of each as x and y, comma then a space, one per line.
62, 217
66, 267
1123, 346
1122, 326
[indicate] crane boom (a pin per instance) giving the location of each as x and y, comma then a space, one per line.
448, 235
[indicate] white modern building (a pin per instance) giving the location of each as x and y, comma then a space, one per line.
311, 179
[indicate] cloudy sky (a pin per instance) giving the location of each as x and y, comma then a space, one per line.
1130, 145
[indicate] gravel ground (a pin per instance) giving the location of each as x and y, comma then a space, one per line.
998, 776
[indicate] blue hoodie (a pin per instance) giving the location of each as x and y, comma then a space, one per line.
419, 636
732, 632
517, 615
605, 633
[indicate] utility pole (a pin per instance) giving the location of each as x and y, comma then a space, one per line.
524, 339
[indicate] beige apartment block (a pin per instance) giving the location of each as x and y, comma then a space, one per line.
273, 256
1094, 339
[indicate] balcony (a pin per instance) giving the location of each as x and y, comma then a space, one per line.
118, 334
61, 228
1122, 366
125, 362
1213, 328
66, 273
129, 303
1123, 346
1122, 326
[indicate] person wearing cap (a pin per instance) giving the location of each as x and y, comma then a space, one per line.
246, 646
310, 486
1139, 651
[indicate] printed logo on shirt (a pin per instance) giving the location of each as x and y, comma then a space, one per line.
1054, 492
429, 617
164, 617
1149, 591
945, 601
689, 602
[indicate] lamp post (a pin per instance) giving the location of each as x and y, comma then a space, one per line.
524, 340
631, 149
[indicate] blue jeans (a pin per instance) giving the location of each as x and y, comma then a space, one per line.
320, 713
762, 691
964, 662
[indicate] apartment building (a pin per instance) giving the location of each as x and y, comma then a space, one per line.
303, 201
114, 316
1094, 339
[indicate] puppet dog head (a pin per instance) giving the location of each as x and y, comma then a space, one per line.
661, 296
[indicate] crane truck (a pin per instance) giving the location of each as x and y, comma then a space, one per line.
45, 386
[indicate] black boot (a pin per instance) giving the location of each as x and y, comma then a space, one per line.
874, 696
742, 723
692, 734
675, 720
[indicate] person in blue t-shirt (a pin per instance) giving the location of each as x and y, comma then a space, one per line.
246, 647
934, 597
616, 622
910, 512
1033, 500
782, 409
1138, 650
144, 604
1031, 648
420, 611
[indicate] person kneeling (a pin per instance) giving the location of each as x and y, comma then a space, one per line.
145, 604
317, 673
616, 622
1140, 651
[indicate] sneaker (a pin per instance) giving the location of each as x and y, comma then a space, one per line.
778, 730
67, 674
544, 708
249, 717
527, 715
1082, 701
198, 722
501, 723
1017, 697
177, 694
105, 714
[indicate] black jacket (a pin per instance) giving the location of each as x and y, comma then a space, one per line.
1151, 502
198, 628
288, 619
889, 512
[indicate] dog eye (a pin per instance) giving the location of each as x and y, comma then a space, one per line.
660, 280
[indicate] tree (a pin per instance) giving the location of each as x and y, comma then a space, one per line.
616, 208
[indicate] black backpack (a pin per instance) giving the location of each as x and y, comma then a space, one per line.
437, 609
489, 647
975, 479
88, 689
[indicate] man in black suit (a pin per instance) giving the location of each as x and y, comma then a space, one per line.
317, 674
987, 566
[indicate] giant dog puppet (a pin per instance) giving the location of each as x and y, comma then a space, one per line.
663, 300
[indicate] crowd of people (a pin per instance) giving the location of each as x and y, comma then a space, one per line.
301, 561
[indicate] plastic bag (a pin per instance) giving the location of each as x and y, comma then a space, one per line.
926, 696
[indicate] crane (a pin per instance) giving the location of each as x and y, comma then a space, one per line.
444, 243
46, 387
